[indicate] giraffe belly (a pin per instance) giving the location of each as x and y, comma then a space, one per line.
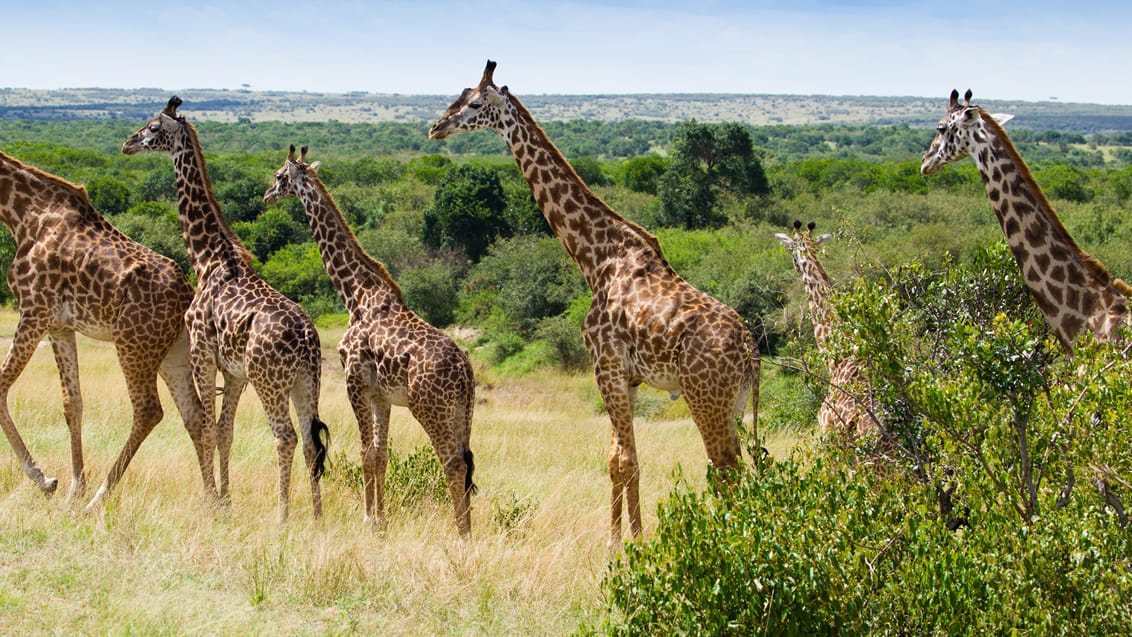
66, 317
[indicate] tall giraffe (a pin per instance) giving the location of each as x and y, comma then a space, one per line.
237, 322
74, 272
645, 324
1072, 289
391, 356
842, 411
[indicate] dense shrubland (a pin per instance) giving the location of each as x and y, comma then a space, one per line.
996, 504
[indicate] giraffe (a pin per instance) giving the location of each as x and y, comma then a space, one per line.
74, 272
237, 323
842, 411
391, 356
645, 324
1073, 290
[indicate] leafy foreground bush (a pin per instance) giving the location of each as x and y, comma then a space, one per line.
833, 549
996, 503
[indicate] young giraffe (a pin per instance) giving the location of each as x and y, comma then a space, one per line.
74, 272
645, 324
1072, 289
842, 411
237, 322
391, 355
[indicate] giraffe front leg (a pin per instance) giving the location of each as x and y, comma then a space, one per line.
29, 331
624, 475
67, 362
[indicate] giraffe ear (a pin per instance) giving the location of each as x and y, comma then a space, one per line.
784, 239
315, 166
1001, 118
823, 239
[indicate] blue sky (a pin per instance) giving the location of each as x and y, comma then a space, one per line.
1002, 49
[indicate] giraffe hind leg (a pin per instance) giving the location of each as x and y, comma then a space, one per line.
67, 361
140, 369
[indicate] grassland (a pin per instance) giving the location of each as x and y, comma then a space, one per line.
158, 560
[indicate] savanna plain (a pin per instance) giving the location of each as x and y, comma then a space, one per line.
158, 559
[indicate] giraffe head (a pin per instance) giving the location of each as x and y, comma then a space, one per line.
159, 132
476, 108
290, 178
803, 245
959, 130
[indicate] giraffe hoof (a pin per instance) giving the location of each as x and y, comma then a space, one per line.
49, 486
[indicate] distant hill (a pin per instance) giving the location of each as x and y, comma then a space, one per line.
758, 110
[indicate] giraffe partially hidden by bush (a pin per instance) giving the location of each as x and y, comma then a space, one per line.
843, 412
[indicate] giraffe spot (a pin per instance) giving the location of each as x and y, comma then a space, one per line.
1057, 273
1010, 226
1073, 297
1076, 277
1059, 252
1071, 326
1044, 304
1042, 260
1023, 209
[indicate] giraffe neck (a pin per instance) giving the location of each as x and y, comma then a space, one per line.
818, 289
208, 237
354, 274
29, 195
592, 233
1072, 289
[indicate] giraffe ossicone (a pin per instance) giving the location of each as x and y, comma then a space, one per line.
646, 324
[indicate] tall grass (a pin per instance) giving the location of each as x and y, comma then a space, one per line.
159, 560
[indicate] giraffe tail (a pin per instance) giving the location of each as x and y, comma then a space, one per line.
321, 445
469, 486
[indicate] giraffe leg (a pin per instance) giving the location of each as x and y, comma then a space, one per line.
140, 369
304, 396
225, 428
279, 417
177, 373
624, 472
444, 430
203, 363
375, 463
67, 361
29, 331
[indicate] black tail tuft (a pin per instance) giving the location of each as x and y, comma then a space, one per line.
318, 430
469, 486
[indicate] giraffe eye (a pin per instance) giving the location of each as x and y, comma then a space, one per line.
154, 127
476, 104
941, 128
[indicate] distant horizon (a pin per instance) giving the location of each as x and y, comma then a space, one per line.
1008, 50
252, 89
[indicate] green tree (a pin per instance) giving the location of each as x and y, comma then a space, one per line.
590, 170
466, 212
642, 174
109, 195
708, 159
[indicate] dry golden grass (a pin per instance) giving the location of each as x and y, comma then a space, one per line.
158, 560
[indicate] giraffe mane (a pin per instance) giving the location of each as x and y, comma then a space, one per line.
225, 227
377, 266
556, 154
1091, 263
39, 173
